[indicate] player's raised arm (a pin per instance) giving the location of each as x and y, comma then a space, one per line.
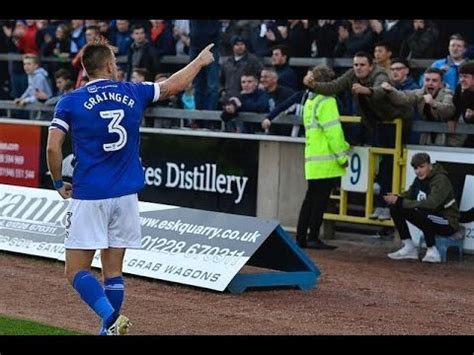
182, 78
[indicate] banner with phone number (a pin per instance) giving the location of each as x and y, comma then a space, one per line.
20, 155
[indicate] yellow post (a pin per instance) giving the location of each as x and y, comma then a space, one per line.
398, 178
397, 158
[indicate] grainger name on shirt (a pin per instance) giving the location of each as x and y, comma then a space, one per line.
106, 96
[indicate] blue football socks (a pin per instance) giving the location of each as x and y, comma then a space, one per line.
92, 293
114, 290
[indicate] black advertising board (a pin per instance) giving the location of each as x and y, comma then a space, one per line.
209, 173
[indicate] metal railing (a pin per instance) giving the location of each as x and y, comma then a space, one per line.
184, 59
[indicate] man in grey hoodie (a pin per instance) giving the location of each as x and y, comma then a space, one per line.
38, 82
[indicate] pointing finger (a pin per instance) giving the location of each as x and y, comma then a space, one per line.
210, 46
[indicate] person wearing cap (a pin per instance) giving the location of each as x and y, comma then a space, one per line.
235, 65
400, 74
429, 204
402, 80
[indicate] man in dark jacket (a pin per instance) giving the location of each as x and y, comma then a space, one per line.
250, 99
141, 53
206, 83
429, 204
464, 101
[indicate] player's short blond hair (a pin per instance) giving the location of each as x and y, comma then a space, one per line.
95, 56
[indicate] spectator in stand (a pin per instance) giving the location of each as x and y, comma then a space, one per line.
401, 79
361, 38
278, 94
293, 104
62, 42
139, 75
399, 70
434, 103
64, 85
39, 87
28, 43
161, 36
422, 42
229, 29
186, 99
18, 80
299, 38
121, 37
383, 55
245, 29
264, 37
56, 43
91, 22
141, 53
78, 36
251, 99
92, 33
464, 101
450, 64
390, 31
400, 75
281, 62
364, 80
105, 31
324, 34
206, 83
44, 34
181, 36
270, 83
121, 74
170, 101
234, 66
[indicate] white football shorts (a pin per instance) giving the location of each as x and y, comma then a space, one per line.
100, 224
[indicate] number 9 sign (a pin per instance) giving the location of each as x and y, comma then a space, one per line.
357, 172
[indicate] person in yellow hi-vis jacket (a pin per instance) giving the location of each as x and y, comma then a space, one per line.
326, 158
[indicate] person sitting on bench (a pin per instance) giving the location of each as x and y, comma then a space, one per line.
429, 204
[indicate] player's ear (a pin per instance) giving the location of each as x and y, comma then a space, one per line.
110, 66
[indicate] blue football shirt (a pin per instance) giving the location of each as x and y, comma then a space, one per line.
104, 119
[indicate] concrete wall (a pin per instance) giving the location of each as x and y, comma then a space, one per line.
281, 183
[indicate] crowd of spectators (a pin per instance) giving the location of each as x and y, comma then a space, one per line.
241, 82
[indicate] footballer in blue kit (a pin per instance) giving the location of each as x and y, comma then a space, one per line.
104, 119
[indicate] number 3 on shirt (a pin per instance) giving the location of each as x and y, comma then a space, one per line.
115, 127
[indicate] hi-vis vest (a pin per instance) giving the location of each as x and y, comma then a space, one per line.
326, 149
